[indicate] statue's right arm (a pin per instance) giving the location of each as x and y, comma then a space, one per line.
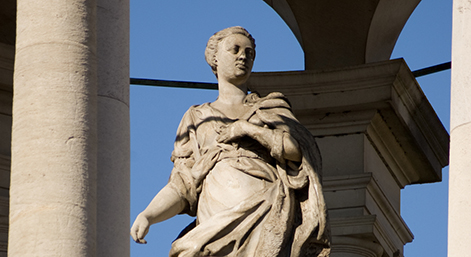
166, 204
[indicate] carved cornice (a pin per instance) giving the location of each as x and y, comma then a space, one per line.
382, 100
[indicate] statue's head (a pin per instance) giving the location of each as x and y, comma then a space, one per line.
218, 37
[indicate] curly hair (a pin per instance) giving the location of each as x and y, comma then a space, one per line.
214, 40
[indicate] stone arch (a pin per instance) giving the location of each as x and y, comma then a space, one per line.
352, 33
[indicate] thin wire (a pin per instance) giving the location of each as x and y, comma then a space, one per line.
432, 69
170, 83
214, 86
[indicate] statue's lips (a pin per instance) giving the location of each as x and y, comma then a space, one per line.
241, 66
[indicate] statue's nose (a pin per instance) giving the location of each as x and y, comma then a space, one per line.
242, 56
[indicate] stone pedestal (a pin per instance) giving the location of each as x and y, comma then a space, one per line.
377, 133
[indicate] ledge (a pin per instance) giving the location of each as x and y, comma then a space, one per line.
379, 221
382, 100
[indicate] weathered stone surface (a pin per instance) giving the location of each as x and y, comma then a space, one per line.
113, 128
376, 133
459, 223
53, 190
344, 101
71, 119
245, 167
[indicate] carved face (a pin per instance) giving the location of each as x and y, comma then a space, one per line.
235, 58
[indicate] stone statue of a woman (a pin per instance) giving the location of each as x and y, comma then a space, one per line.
245, 167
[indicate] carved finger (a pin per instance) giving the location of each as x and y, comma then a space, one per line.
134, 234
142, 232
141, 241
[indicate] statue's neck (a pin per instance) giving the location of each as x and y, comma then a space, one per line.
231, 94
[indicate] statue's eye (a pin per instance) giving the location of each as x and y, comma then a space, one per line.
235, 49
249, 53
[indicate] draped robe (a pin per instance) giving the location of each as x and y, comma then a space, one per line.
248, 200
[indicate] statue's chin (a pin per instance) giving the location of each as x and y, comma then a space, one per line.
243, 74
241, 79
238, 78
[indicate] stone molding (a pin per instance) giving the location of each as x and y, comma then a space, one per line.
341, 101
377, 133
383, 222
356, 247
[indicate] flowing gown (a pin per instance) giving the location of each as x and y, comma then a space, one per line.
248, 200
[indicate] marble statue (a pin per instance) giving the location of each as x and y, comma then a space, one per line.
245, 167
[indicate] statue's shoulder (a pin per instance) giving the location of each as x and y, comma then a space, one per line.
197, 112
197, 108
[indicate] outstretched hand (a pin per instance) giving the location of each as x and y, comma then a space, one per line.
139, 229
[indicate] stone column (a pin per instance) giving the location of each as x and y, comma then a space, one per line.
53, 178
459, 223
113, 197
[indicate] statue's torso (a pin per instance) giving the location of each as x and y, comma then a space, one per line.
245, 167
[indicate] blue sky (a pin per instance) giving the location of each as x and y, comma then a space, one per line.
167, 42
